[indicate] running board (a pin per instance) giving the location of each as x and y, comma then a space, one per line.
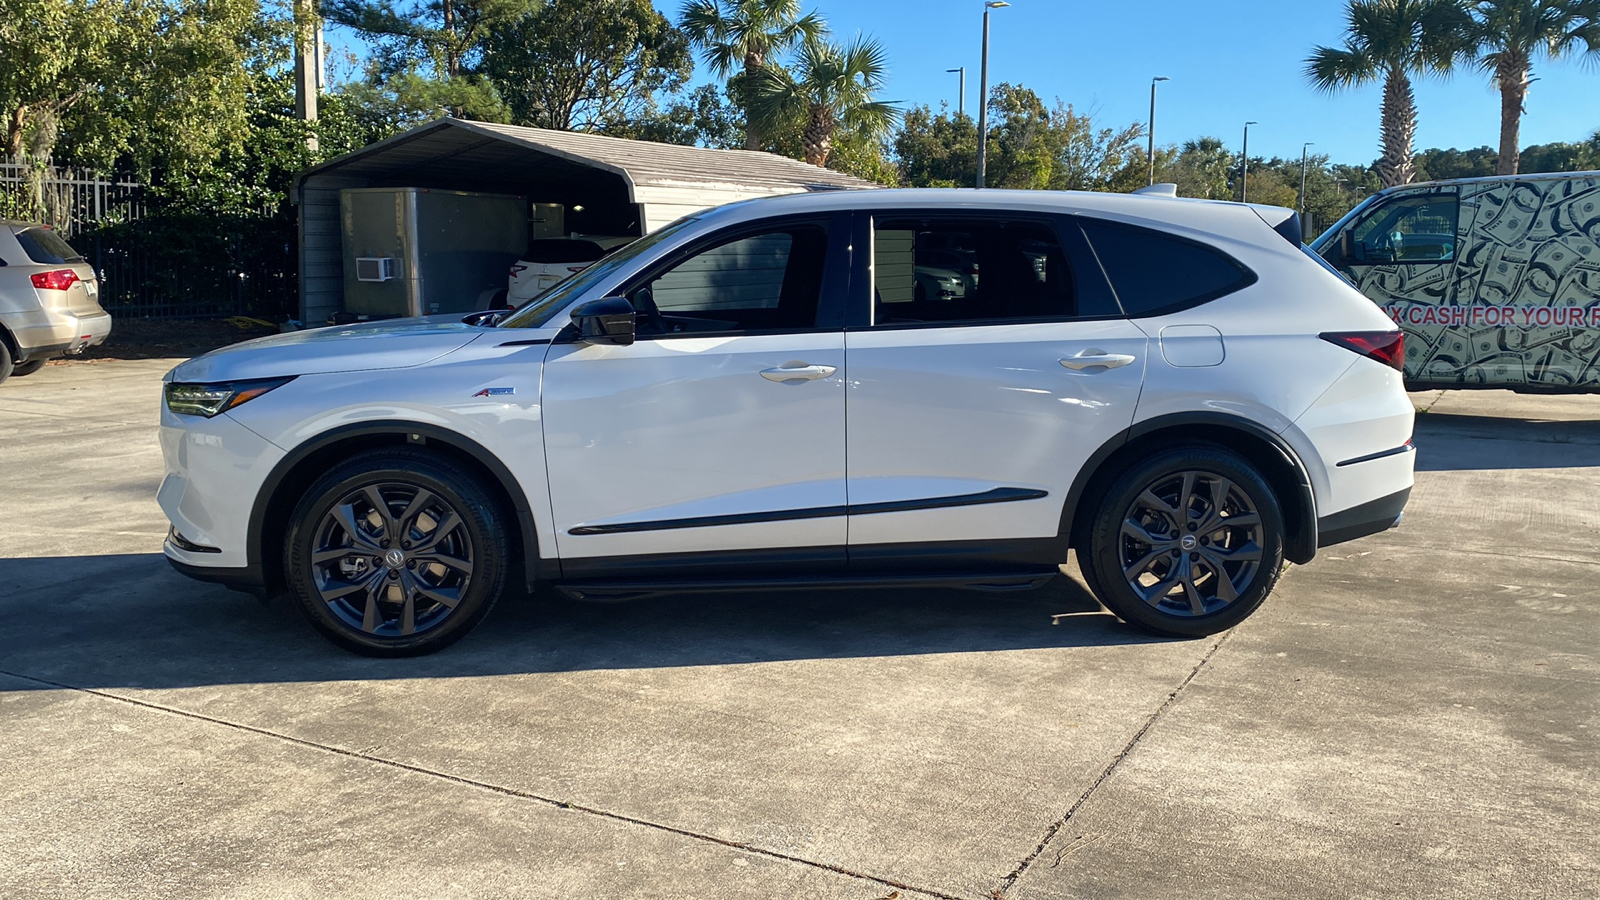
616, 591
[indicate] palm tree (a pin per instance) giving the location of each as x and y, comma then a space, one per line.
832, 85
742, 35
1508, 34
1393, 40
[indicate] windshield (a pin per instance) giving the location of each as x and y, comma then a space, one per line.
543, 307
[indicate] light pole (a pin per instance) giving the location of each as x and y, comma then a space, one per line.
1303, 177
1244, 174
961, 98
1153, 125
983, 89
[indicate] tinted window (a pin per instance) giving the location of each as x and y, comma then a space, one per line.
1155, 273
759, 282
1411, 229
955, 271
45, 246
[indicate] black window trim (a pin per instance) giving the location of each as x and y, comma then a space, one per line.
1073, 244
835, 277
1248, 275
1455, 227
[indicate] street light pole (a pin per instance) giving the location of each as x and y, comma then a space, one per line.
961, 98
1152, 152
1303, 178
1244, 175
983, 90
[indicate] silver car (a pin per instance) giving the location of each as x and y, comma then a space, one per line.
49, 299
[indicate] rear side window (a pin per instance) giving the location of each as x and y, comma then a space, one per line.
46, 247
1154, 273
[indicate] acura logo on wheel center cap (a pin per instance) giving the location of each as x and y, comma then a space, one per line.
1189, 542
394, 559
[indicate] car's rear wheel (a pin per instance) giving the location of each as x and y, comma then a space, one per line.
1187, 542
26, 368
396, 553
6, 365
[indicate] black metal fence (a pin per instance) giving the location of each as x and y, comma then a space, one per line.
156, 259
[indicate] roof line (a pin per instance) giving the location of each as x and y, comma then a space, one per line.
553, 151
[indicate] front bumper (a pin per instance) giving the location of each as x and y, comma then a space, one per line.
215, 470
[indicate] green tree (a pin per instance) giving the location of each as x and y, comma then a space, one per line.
831, 87
706, 117
936, 150
427, 54
585, 65
741, 36
1202, 168
1509, 34
1393, 40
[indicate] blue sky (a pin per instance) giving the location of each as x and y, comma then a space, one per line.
1229, 60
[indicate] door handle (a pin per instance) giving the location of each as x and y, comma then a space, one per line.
1088, 359
798, 372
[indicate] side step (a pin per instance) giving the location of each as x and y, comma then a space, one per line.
615, 591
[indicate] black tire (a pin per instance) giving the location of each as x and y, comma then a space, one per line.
360, 599
6, 366
1173, 577
18, 370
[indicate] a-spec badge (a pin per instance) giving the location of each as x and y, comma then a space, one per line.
495, 392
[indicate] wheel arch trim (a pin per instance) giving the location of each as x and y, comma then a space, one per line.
411, 433
1300, 541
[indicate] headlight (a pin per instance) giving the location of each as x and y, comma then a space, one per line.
211, 399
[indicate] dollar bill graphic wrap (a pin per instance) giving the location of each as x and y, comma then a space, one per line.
1519, 301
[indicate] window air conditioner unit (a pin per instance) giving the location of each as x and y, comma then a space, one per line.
375, 268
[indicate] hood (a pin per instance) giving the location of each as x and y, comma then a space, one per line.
390, 344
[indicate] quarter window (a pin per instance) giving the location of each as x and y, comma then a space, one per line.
1155, 273
954, 271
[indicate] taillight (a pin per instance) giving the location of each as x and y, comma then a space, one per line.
1387, 347
59, 280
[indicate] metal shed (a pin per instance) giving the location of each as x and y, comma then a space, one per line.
607, 185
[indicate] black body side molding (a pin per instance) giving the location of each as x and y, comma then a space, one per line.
998, 495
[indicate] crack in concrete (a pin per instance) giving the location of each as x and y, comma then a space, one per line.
498, 789
1010, 881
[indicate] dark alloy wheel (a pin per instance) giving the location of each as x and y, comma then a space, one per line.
394, 554
1187, 542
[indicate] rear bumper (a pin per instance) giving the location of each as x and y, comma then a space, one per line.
49, 333
1359, 521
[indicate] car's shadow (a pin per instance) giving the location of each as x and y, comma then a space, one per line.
130, 621
1448, 442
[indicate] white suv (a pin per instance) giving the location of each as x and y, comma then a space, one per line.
759, 398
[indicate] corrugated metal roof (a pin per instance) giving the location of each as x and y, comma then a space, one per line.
454, 143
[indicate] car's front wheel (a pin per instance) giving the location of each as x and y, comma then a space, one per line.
396, 553
1187, 542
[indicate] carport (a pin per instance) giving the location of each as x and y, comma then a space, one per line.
605, 185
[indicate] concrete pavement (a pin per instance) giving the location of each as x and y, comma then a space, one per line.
1410, 715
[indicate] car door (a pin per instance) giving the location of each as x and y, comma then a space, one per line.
718, 435
973, 405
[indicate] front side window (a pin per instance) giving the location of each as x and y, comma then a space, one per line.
1416, 228
544, 307
953, 271
769, 281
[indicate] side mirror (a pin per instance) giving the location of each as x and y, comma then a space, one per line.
486, 319
609, 320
